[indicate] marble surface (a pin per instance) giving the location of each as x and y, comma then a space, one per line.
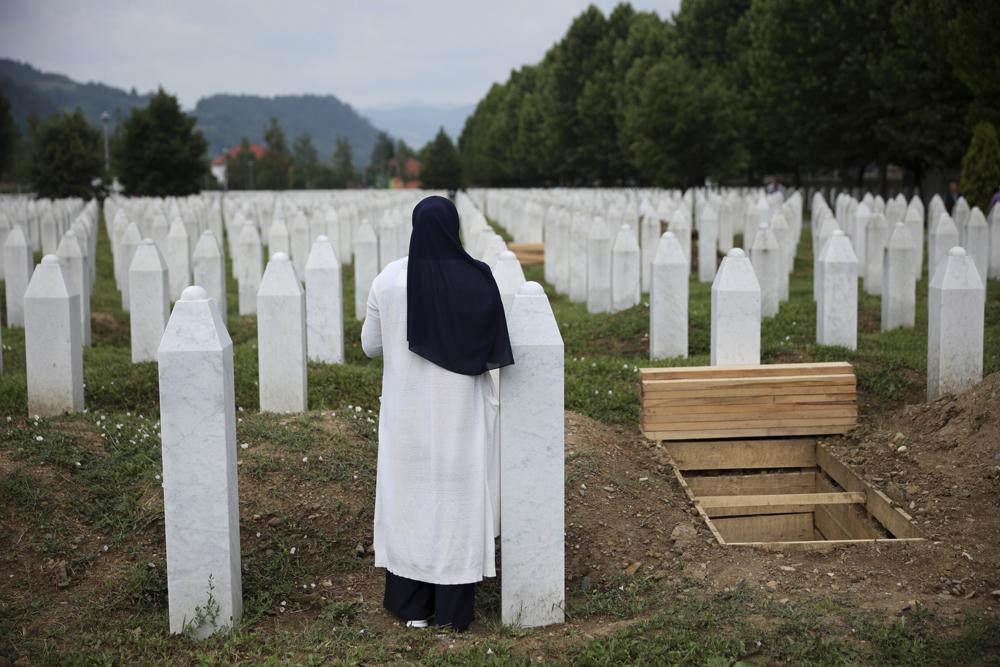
625, 274
200, 490
324, 310
877, 236
708, 238
735, 336
837, 309
899, 284
300, 242
130, 240
249, 278
278, 239
149, 287
281, 338
509, 276
532, 501
649, 240
578, 259
943, 237
598, 267
178, 259
71, 256
365, 266
52, 341
765, 256
914, 221
209, 268
955, 320
977, 241
994, 270
862, 216
668, 300
786, 246
18, 266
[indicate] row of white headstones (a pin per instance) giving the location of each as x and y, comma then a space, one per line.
745, 289
193, 349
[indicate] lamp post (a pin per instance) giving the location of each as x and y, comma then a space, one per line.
105, 117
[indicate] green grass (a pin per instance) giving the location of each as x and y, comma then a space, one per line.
74, 485
603, 353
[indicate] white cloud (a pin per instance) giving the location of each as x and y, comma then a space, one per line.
367, 52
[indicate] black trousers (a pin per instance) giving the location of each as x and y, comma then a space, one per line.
413, 600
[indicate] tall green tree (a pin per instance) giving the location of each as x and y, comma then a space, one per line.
9, 137
240, 168
379, 172
441, 165
686, 126
66, 156
343, 173
158, 151
981, 167
274, 168
305, 163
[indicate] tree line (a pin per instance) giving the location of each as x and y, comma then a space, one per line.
156, 150
733, 90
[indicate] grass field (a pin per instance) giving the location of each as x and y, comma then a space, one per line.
81, 519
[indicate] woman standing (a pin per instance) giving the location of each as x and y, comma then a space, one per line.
437, 318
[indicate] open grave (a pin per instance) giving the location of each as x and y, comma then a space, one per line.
739, 440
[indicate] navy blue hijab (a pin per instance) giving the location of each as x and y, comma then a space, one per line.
454, 315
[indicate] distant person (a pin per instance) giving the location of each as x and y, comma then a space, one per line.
996, 199
951, 198
437, 319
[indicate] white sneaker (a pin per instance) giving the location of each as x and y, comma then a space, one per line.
418, 624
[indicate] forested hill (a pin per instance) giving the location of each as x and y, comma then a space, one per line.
224, 119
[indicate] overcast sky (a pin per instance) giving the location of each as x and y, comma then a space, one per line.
367, 52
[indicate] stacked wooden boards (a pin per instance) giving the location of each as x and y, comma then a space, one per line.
748, 401
750, 473
529, 254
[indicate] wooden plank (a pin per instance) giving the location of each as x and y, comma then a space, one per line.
661, 424
820, 545
758, 407
777, 499
757, 510
770, 432
763, 370
771, 528
799, 481
701, 512
655, 397
762, 383
893, 519
722, 413
843, 522
736, 454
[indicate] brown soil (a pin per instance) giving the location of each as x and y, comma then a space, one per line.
625, 516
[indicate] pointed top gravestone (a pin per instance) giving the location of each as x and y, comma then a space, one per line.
509, 276
200, 488
955, 317
767, 265
178, 260
281, 338
18, 266
52, 341
532, 475
598, 267
899, 280
735, 334
324, 311
977, 240
668, 300
625, 274
209, 269
837, 308
73, 259
149, 288
365, 266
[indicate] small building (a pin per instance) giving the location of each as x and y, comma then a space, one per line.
219, 161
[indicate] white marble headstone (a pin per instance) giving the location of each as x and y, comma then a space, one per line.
281, 338
735, 312
955, 320
201, 513
324, 307
668, 300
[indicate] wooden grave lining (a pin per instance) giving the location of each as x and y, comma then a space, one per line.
734, 434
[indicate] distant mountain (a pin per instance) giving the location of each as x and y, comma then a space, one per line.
43, 93
417, 125
224, 119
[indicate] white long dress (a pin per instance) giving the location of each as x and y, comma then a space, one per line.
434, 506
